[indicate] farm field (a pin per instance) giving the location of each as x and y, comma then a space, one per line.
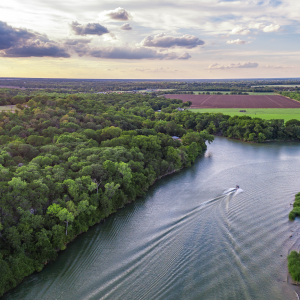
275, 85
264, 113
250, 93
237, 101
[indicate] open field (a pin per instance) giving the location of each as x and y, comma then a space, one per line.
237, 101
263, 113
250, 93
7, 107
275, 85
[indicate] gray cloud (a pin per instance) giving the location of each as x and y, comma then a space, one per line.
119, 14
130, 53
126, 26
75, 42
36, 50
163, 41
15, 42
232, 66
156, 70
124, 53
184, 56
10, 37
90, 28
80, 46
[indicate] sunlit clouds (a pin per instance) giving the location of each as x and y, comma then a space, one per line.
198, 39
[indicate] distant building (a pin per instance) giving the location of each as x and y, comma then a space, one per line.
175, 137
180, 109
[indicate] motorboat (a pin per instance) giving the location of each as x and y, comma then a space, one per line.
237, 187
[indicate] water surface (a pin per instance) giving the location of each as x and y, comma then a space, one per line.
185, 239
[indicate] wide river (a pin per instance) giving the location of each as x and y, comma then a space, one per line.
187, 240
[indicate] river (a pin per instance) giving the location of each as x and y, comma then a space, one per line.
185, 239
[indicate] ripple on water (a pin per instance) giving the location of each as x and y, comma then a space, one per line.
186, 239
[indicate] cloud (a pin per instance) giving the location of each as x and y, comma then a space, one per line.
156, 70
10, 37
277, 67
126, 53
126, 26
74, 42
240, 30
36, 50
237, 42
15, 42
163, 41
80, 46
258, 26
232, 66
264, 28
129, 53
184, 56
90, 28
119, 14
271, 28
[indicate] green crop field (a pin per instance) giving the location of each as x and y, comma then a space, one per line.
263, 113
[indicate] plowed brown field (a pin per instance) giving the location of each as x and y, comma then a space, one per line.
237, 101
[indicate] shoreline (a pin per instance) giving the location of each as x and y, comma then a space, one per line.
101, 221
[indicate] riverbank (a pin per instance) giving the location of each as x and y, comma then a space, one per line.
99, 211
160, 246
294, 255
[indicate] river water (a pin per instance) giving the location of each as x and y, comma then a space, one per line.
187, 240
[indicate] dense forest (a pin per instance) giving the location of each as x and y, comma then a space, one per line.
67, 161
293, 95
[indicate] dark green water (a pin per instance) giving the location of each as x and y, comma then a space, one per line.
185, 239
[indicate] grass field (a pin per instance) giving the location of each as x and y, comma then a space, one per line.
263, 113
7, 107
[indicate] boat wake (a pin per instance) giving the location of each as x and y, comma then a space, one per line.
233, 191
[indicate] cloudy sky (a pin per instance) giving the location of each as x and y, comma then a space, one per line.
184, 39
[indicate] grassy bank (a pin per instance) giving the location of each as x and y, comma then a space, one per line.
264, 113
294, 256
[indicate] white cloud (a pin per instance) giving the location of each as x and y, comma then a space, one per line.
271, 28
240, 30
237, 42
258, 26
233, 66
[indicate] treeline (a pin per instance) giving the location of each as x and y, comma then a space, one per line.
93, 85
240, 127
294, 256
292, 95
67, 163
